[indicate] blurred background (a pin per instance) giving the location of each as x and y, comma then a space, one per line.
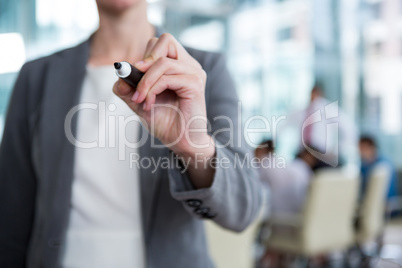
276, 50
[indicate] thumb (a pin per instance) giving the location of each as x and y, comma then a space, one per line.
125, 92
121, 88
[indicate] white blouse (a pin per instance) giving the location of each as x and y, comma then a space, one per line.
105, 217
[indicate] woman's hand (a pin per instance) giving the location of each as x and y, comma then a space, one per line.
171, 98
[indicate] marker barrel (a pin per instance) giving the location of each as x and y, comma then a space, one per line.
129, 73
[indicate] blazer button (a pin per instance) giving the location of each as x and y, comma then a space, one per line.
201, 211
195, 203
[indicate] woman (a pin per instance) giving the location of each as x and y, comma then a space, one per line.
83, 185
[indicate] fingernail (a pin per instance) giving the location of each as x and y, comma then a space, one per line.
135, 96
144, 106
139, 63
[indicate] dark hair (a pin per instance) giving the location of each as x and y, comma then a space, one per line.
369, 140
305, 151
317, 162
317, 88
267, 145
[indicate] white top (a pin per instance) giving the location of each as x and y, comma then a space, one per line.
288, 186
105, 218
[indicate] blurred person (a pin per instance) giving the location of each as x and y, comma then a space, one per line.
288, 191
264, 149
370, 158
315, 128
63, 204
264, 153
289, 184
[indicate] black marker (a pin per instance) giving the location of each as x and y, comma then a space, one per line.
128, 73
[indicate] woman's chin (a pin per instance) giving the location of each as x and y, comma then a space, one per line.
117, 6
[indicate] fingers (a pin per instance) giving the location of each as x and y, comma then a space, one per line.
150, 46
125, 92
122, 89
163, 66
164, 46
163, 83
164, 58
182, 84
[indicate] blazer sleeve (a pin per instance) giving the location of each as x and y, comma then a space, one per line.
234, 198
17, 179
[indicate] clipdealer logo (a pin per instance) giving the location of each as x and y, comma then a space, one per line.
330, 114
235, 131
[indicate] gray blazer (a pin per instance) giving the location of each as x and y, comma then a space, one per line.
36, 167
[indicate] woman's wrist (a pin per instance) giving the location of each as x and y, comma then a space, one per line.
197, 154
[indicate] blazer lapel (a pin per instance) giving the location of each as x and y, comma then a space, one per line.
61, 92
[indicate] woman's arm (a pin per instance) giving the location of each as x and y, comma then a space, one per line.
171, 100
234, 198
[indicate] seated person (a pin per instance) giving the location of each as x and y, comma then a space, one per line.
288, 185
288, 189
370, 158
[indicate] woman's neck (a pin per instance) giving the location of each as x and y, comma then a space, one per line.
121, 37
